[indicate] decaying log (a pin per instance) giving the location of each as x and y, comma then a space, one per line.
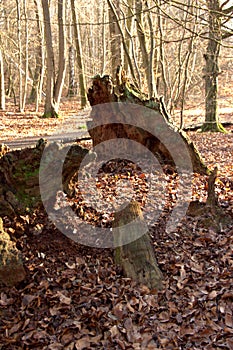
137, 258
11, 265
109, 122
19, 175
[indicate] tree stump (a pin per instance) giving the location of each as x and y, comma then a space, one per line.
137, 258
109, 122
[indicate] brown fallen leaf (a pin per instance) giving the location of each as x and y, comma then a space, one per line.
229, 320
82, 343
63, 299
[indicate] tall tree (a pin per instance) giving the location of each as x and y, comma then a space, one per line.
20, 54
2, 84
38, 75
54, 86
212, 67
147, 55
217, 32
72, 87
115, 41
26, 59
79, 55
126, 51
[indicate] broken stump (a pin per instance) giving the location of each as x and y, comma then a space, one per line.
137, 257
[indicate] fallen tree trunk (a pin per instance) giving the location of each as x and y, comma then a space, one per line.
19, 175
149, 124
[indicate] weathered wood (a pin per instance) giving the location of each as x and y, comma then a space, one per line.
108, 123
19, 175
212, 199
137, 258
11, 265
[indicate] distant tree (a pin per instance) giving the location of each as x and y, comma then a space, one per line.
20, 54
72, 87
216, 34
115, 41
54, 85
2, 84
79, 55
38, 74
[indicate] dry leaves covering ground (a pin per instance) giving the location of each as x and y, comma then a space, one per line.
74, 297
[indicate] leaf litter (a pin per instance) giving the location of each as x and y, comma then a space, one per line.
74, 296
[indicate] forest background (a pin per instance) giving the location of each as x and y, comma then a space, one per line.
181, 50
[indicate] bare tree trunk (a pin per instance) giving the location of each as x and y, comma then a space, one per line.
36, 91
24, 95
72, 88
115, 39
2, 84
116, 19
147, 59
19, 38
78, 45
54, 86
62, 61
212, 68
103, 59
163, 66
50, 109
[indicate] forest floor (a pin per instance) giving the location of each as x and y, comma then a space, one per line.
74, 297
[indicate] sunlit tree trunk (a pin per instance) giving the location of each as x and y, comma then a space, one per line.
38, 76
104, 50
72, 88
2, 84
62, 60
127, 54
115, 39
24, 94
53, 86
50, 109
147, 58
212, 68
19, 39
79, 55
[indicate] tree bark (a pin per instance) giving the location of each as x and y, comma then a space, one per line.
79, 56
137, 258
54, 85
20, 54
50, 109
72, 89
62, 61
2, 84
114, 125
116, 46
126, 51
212, 68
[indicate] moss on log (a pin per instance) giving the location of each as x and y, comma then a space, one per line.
11, 265
19, 175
